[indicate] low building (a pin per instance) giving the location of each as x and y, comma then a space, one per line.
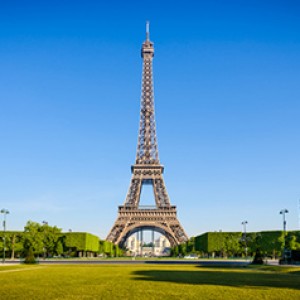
161, 247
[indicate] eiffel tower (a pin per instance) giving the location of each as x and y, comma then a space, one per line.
147, 169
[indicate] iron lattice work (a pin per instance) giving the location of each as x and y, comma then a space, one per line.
147, 150
147, 170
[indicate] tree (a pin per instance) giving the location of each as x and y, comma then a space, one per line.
33, 238
174, 251
280, 242
232, 244
182, 249
41, 238
59, 249
13, 242
30, 259
291, 242
258, 257
190, 245
50, 238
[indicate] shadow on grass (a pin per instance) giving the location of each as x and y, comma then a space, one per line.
227, 277
297, 273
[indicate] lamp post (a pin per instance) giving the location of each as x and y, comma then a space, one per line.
244, 223
4, 212
283, 212
45, 223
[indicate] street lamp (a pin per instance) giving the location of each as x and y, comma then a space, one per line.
283, 212
244, 223
4, 212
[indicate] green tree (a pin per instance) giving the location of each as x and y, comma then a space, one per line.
280, 242
257, 244
174, 251
59, 249
232, 244
182, 249
51, 235
33, 237
291, 242
15, 244
190, 245
30, 259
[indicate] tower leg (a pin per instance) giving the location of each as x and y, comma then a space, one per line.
142, 242
153, 249
139, 243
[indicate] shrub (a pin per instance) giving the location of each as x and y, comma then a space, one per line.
258, 258
30, 259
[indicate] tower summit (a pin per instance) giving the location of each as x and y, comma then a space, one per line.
147, 170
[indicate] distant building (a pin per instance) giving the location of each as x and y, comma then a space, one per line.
133, 245
161, 247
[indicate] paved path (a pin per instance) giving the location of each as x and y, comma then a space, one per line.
140, 262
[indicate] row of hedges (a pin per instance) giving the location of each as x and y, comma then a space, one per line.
56, 244
82, 241
270, 243
228, 244
110, 249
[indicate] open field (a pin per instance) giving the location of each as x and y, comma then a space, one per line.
148, 282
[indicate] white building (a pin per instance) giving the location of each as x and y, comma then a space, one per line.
133, 245
161, 247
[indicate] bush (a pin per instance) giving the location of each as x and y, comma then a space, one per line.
258, 258
30, 259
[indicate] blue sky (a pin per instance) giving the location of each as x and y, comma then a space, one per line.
227, 98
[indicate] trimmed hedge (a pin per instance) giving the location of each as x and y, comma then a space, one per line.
227, 242
270, 243
82, 241
71, 242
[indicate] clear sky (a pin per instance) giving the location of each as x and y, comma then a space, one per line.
227, 96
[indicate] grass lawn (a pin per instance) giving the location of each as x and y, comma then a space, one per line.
148, 282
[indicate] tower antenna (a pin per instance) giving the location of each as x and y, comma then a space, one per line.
147, 31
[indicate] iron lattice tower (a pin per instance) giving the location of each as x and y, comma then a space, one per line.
147, 170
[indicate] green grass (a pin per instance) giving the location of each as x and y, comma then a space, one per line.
148, 282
